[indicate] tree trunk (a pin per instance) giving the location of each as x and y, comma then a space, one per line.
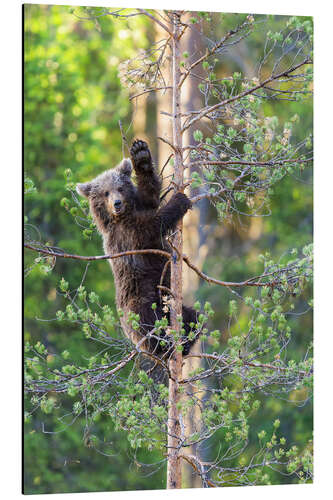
194, 247
175, 364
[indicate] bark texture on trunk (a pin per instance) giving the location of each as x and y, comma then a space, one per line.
174, 476
194, 247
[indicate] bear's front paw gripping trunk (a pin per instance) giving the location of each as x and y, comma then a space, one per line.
173, 212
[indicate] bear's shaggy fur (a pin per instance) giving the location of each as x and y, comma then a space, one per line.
129, 217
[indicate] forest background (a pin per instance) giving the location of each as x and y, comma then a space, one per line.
73, 104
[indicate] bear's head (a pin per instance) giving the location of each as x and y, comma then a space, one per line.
111, 194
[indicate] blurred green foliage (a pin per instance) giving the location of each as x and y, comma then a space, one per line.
243, 240
73, 102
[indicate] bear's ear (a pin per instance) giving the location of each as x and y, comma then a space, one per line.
84, 189
125, 167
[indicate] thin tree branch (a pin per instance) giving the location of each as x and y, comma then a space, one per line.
268, 163
248, 282
97, 257
265, 366
210, 52
192, 460
167, 142
272, 78
153, 89
144, 12
207, 196
122, 363
201, 196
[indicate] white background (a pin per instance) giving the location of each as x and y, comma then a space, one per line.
11, 248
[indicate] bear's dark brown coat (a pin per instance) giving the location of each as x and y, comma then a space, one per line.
129, 218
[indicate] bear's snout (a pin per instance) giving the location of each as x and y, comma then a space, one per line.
117, 205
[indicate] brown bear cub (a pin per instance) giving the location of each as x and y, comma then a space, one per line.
129, 217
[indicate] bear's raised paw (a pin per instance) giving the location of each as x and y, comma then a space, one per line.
141, 156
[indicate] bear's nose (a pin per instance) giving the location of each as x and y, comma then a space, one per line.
117, 204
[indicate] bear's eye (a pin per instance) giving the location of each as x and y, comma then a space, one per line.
106, 193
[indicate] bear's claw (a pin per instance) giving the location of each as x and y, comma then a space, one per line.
141, 156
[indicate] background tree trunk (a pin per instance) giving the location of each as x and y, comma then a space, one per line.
164, 122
